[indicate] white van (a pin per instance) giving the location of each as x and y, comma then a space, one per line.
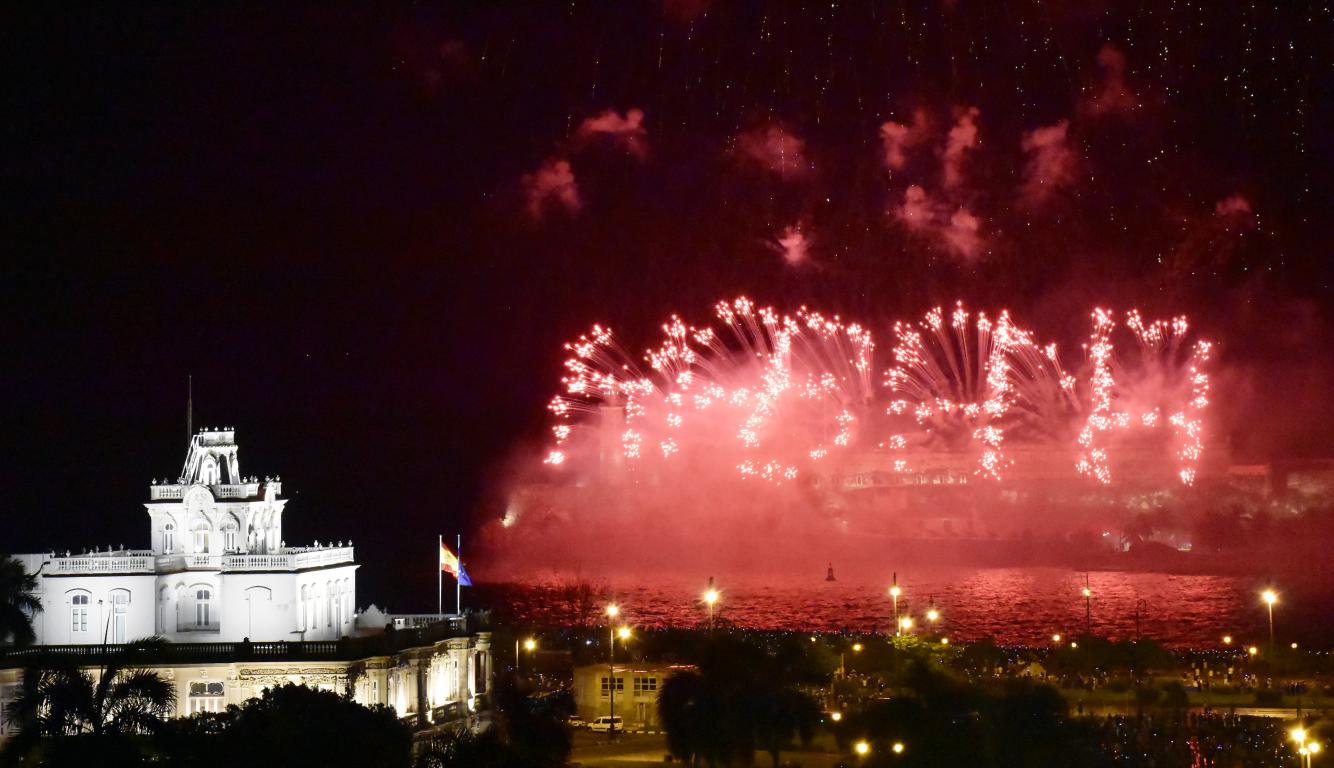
605, 724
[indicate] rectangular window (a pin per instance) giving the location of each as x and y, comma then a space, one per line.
79, 620
620, 686
646, 686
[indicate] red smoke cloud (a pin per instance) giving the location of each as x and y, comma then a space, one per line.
961, 139
1112, 94
624, 131
794, 245
1051, 163
898, 138
552, 184
954, 228
1235, 205
775, 150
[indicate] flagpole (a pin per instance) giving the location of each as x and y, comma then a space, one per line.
458, 577
439, 577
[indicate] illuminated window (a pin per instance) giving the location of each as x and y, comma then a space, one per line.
78, 613
168, 537
206, 697
202, 605
606, 689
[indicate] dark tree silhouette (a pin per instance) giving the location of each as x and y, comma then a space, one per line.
296, 726
64, 710
18, 603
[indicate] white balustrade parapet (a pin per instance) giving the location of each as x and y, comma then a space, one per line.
222, 491
310, 557
143, 561
102, 563
291, 559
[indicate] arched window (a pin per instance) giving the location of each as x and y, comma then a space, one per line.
168, 538
229, 528
120, 606
203, 602
208, 471
201, 537
78, 612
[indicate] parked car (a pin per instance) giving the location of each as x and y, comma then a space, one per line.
604, 724
576, 721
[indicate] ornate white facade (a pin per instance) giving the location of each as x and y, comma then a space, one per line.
217, 570
428, 683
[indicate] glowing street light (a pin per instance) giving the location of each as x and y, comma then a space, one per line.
905, 623
898, 747
856, 647
1252, 650
836, 716
1298, 735
529, 645
862, 748
710, 597
1088, 607
1270, 597
1227, 639
612, 612
944, 641
894, 593
1056, 638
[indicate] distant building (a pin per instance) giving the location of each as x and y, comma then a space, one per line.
217, 568
637, 687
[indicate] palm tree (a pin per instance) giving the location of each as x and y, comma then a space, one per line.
17, 603
783, 715
64, 701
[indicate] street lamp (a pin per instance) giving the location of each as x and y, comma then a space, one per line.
1227, 639
612, 612
894, 592
1056, 638
529, 645
1270, 597
862, 748
905, 623
1088, 607
711, 597
836, 716
898, 747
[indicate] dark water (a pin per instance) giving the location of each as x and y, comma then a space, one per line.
1025, 605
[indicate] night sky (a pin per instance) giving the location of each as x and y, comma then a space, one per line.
366, 233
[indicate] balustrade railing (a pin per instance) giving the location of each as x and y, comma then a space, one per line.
107, 563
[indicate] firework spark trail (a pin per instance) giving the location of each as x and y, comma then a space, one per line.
755, 377
1159, 349
784, 391
970, 381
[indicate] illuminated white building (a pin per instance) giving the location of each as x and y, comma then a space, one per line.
437, 675
217, 568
